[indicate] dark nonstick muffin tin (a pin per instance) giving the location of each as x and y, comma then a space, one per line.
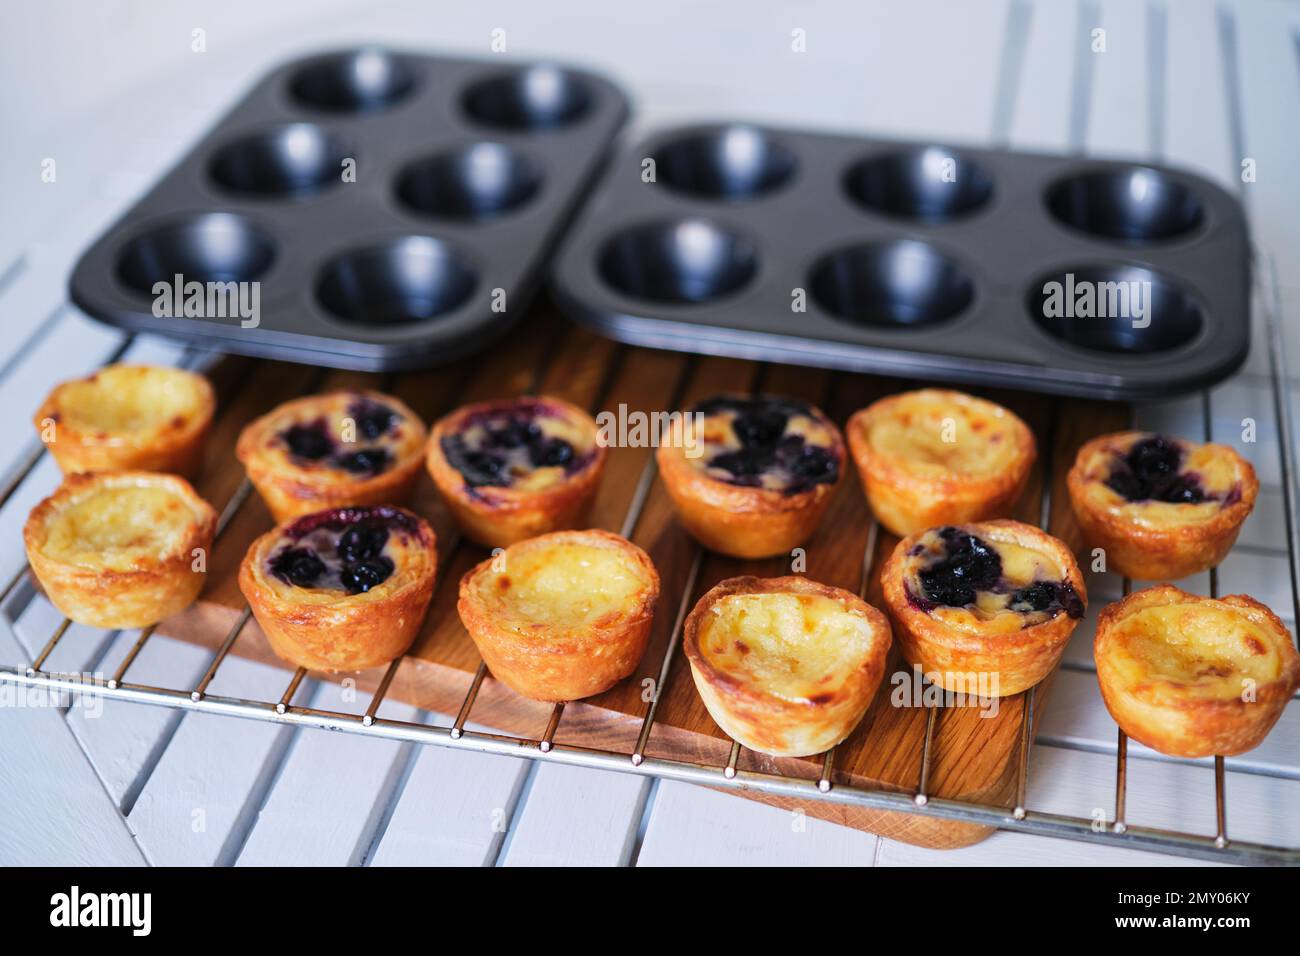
467, 172
913, 259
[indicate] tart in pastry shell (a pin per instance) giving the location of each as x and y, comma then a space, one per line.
129, 418
328, 628
561, 616
773, 511
934, 457
121, 549
303, 455
516, 497
1161, 540
1194, 676
994, 643
785, 666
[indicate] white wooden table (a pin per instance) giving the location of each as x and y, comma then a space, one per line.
1185, 82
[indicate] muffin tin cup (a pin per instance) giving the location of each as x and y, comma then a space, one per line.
914, 259
466, 172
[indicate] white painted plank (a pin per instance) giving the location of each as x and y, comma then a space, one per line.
205, 792
574, 816
1041, 119
330, 796
693, 826
455, 809
1118, 118
1269, 103
1197, 114
126, 740
54, 811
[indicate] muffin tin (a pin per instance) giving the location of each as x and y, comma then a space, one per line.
913, 259
466, 173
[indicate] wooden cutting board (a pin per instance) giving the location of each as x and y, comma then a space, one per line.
973, 758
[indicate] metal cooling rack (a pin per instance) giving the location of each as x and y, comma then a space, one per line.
1021, 818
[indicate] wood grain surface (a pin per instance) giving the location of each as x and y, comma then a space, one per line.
974, 757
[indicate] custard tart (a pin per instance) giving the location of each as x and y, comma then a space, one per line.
338, 450
1161, 508
751, 476
561, 616
785, 666
986, 607
1194, 676
121, 549
343, 589
935, 457
129, 418
515, 468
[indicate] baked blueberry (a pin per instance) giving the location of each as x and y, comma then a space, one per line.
362, 576
310, 442
367, 461
299, 566
374, 419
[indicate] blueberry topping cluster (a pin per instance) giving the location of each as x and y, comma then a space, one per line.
313, 442
310, 442
1152, 471
759, 425
506, 444
339, 550
970, 565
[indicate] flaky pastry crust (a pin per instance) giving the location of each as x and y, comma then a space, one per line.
292, 488
561, 616
1184, 541
786, 666
121, 549
498, 516
950, 655
129, 418
933, 457
330, 630
739, 520
1193, 676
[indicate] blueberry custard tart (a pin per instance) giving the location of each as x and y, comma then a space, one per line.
515, 468
333, 451
1160, 507
121, 549
751, 476
984, 608
129, 418
934, 457
1193, 676
786, 666
342, 589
